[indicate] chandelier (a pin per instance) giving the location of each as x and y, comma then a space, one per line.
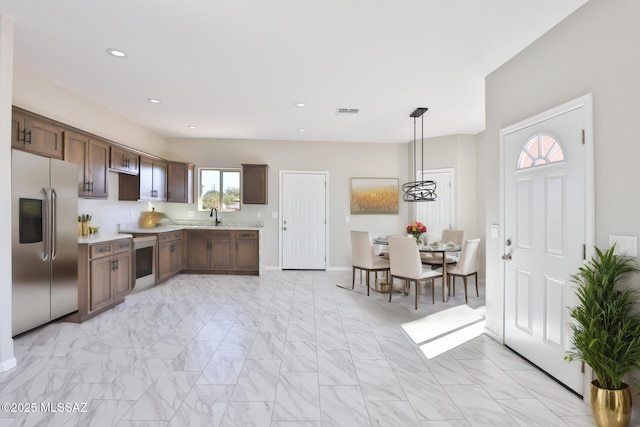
419, 190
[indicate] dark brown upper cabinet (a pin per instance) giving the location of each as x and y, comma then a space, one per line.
254, 184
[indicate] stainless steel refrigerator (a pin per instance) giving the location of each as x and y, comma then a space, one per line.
44, 211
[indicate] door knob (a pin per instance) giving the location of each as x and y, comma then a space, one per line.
506, 257
284, 228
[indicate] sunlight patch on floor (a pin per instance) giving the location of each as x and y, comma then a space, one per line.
443, 322
445, 330
450, 341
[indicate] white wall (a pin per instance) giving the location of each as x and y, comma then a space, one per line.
342, 160
457, 152
7, 360
460, 153
34, 93
595, 50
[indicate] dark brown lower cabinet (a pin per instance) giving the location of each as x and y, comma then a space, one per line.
222, 251
104, 276
169, 254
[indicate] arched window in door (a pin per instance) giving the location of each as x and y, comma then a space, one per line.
540, 149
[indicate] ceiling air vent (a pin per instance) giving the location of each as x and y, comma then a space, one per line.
347, 111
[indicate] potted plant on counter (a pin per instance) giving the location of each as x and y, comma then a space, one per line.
606, 333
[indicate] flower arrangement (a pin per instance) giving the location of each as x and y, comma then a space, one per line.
416, 229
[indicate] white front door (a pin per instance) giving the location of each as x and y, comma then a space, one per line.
303, 220
437, 215
544, 236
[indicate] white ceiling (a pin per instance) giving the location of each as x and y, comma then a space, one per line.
236, 68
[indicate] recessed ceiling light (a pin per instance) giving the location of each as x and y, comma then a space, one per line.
302, 130
192, 127
154, 101
300, 104
117, 53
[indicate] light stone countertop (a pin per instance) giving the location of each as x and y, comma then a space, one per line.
190, 225
102, 237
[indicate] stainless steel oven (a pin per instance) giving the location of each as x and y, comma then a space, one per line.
145, 253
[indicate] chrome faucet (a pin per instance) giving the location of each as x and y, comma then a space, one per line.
218, 221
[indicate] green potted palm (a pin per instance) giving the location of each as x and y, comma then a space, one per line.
606, 333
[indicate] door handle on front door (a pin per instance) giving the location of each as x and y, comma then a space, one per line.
507, 256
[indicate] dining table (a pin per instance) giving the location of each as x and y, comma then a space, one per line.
442, 249
433, 248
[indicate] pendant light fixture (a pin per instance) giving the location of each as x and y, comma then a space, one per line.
419, 190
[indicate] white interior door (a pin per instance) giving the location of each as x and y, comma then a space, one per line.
437, 215
545, 233
303, 220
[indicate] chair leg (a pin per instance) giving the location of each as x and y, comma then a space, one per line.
433, 291
453, 284
353, 278
476, 277
464, 279
417, 292
368, 274
390, 288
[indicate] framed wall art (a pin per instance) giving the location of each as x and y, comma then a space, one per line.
374, 196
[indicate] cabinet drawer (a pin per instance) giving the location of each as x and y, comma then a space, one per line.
221, 235
101, 250
249, 234
124, 245
169, 236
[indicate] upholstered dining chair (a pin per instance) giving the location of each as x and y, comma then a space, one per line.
364, 258
448, 235
406, 265
467, 266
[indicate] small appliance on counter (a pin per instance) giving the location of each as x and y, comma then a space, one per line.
44, 208
150, 219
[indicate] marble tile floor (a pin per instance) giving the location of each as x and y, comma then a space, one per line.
289, 348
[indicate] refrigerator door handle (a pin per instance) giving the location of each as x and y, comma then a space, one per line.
46, 220
54, 221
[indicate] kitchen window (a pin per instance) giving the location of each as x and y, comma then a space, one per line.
220, 189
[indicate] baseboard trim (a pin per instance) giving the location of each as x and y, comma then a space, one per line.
8, 364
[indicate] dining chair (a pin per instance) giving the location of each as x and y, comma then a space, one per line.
467, 266
406, 265
364, 259
448, 235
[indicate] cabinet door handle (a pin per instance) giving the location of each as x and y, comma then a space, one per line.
25, 137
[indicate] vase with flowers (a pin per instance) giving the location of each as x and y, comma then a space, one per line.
416, 229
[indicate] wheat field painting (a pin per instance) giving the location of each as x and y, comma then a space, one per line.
374, 196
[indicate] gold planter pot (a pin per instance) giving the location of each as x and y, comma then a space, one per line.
611, 408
